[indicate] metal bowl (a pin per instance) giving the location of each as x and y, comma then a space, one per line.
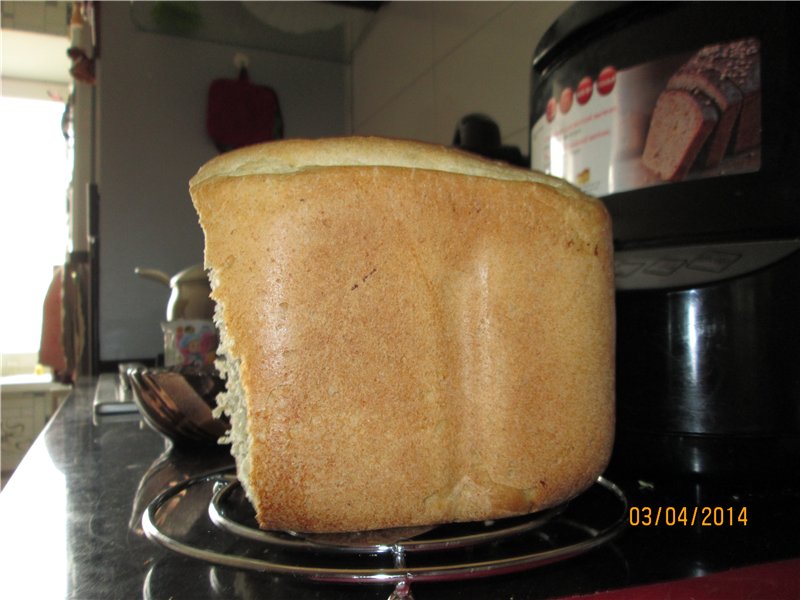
178, 402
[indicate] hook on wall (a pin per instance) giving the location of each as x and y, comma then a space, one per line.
241, 60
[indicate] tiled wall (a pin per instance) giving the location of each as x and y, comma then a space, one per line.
424, 65
42, 17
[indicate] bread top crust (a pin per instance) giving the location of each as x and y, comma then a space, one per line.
295, 155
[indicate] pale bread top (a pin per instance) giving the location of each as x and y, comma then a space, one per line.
295, 155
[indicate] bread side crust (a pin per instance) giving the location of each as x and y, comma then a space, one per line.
416, 346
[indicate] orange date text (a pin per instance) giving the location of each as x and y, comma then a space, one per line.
687, 516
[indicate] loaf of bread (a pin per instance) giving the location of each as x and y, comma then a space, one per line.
727, 99
681, 123
739, 63
711, 107
411, 334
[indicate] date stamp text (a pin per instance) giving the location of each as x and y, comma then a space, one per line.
687, 516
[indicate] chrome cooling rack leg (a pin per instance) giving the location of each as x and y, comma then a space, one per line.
402, 591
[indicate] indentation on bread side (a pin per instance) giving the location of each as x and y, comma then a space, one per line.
505, 341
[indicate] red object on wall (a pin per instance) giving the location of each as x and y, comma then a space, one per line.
51, 350
241, 113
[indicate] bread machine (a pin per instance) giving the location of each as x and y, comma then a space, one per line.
683, 118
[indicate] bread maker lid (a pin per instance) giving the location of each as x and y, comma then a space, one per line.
580, 20
750, 195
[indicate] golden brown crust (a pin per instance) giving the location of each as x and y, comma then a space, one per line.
417, 346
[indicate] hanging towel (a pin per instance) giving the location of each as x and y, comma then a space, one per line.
241, 113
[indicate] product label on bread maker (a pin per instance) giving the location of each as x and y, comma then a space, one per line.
689, 116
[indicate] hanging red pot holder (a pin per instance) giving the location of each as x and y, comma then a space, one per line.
241, 113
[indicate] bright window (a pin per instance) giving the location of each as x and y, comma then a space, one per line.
36, 170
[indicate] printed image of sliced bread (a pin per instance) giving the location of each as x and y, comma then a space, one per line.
738, 63
681, 123
726, 97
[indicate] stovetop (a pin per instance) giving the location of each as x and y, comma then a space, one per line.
74, 509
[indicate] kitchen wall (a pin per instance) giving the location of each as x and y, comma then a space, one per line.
424, 65
151, 103
419, 68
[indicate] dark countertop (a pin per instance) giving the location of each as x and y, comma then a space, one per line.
70, 519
